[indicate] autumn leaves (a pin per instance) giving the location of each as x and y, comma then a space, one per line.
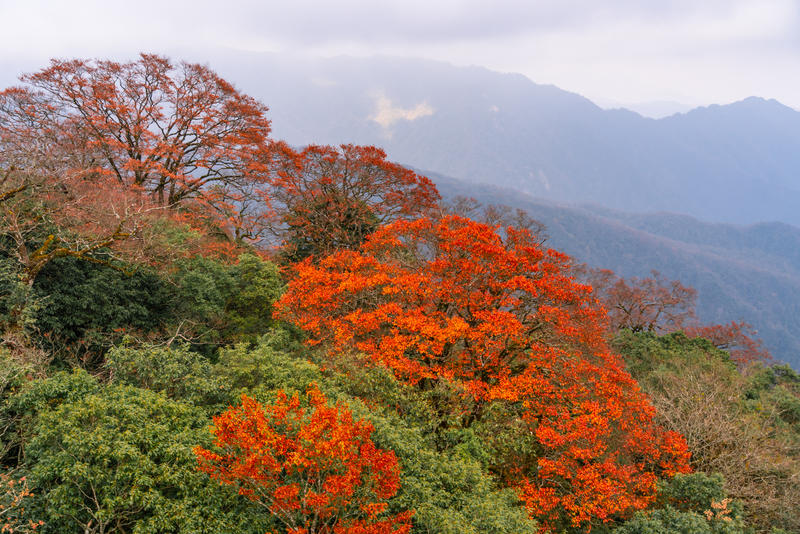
314, 467
96, 151
112, 152
451, 299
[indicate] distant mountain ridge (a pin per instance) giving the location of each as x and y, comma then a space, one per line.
735, 163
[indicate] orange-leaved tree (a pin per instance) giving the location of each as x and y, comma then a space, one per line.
331, 198
454, 299
179, 132
315, 469
737, 337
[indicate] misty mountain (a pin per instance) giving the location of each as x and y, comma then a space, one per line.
549, 151
749, 273
735, 163
655, 109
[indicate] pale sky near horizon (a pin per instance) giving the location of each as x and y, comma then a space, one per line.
624, 51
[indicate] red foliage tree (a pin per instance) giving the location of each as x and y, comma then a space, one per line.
443, 299
736, 337
47, 214
316, 470
330, 198
179, 132
651, 304
504, 318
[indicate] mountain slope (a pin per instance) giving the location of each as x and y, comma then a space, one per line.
740, 272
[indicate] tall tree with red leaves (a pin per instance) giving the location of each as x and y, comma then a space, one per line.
177, 131
331, 198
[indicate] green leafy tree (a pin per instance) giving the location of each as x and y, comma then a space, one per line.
672, 521
89, 307
217, 303
120, 460
693, 503
175, 371
257, 284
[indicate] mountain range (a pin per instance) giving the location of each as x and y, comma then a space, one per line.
709, 196
735, 163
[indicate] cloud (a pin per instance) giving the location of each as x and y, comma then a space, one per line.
386, 114
323, 82
627, 50
313, 23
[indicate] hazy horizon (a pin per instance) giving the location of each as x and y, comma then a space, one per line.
629, 54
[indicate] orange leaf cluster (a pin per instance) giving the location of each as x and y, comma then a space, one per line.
317, 470
456, 299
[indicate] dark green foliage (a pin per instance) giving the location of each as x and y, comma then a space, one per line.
275, 362
215, 303
691, 492
257, 285
646, 352
202, 288
694, 503
77, 309
93, 305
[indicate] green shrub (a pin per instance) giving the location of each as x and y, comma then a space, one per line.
121, 460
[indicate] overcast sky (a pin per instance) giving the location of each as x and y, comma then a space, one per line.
691, 51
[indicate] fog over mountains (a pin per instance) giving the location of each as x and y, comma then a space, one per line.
608, 183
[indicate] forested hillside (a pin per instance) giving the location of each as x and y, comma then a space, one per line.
206, 329
749, 273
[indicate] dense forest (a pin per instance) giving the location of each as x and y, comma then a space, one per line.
206, 329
